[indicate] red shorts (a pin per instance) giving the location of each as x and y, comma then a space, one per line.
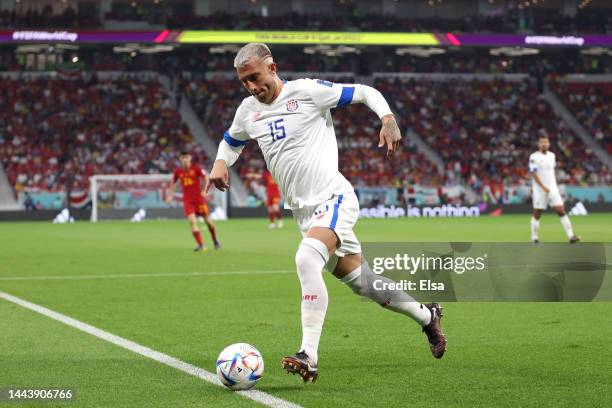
273, 200
195, 205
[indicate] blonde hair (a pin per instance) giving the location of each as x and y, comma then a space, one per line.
259, 51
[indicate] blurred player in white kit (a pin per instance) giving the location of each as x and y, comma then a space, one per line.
545, 191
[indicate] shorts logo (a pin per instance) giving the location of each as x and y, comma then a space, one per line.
320, 213
292, 105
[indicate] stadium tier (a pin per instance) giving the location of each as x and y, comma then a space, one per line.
61, 131
484, 131
487, 128
591, 104
332, 16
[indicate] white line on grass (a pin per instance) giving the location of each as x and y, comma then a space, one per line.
258, 396
141, 275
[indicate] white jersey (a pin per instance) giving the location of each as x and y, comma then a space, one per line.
543, 164
296, 136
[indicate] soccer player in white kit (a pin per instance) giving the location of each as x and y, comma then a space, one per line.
545, 191
292, 124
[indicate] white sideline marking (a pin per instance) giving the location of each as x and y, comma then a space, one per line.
258, 396
141, 275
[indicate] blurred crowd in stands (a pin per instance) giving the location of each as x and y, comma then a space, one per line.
56, 133
591, 104
484, 132
61, 131
46, 17
346, 17
542, 21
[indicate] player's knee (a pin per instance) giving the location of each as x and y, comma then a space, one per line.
309, 254
302, 257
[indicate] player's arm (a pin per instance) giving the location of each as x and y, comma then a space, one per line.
328, 95
234, 140
533, 169
172, 189
202, 174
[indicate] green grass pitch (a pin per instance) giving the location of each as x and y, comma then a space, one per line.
499, 354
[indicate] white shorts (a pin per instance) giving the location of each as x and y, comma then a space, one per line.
541, 199
340, 214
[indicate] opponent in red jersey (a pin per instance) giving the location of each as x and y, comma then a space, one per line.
273, 198
193, 198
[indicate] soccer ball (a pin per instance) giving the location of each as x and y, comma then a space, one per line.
240, 366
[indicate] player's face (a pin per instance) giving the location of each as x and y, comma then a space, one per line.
185, 161
259, 78
543, 145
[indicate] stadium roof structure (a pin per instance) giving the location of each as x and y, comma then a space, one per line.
306, 38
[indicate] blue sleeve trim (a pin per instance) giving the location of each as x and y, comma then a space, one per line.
346, 96
233, 142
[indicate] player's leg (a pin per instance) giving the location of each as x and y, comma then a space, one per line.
566, 223
354, 271
535, 225
277, 213
271, 215
212, 230
310, 259
195, 230
202, 210
540, 202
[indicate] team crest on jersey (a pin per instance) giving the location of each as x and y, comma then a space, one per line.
292, 105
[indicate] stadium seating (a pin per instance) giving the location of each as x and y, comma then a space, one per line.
46, 18
483, 130
591, 104
60, 131
345, 17
487, 129
588, 21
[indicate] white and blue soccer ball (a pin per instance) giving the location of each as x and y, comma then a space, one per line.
240, 366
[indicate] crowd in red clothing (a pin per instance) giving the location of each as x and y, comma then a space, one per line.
487, 129
59, 131
591, 104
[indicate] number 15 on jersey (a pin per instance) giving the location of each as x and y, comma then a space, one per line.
277, 129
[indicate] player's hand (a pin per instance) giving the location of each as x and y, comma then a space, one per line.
546, 189
389, 134
169, 198
219, 176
